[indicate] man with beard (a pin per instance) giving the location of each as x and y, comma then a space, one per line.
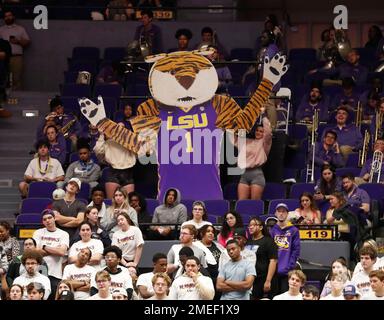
316, 101
18, 39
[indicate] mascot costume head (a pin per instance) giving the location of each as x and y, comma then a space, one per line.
184, 113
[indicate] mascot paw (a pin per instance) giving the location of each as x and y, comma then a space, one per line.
275, 68
92, 111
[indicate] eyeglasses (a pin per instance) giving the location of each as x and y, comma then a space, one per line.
101, 281
185, 234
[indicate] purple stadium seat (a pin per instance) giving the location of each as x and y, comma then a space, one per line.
302, 54
342, 171
71, 104
248, 208
298, 188
217, 207
70, 76
213, 219
291, 203
34, 205
104, 174
375, 190
108, 202
88, 53
28, 218
353, 160
41, 189
83, 65
274, 190
151, 205
188, 203
148, 190
108, 90
76, 90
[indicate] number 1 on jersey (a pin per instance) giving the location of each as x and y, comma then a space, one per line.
188, 138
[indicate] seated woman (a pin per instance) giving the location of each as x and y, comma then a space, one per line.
338, 266
129, 239
58, 146
307, 213
183, 37
231, 221
92, 218
95, 245
119, 204
327, 184
199, 215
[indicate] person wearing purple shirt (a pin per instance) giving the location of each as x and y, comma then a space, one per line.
328, 151
91, 133
287, 239
353, 69
58, 147
149, 32
372, 127
315, 101
349, 136
355, 196
348, 96
365, 172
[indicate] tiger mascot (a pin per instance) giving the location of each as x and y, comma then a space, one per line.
188, 120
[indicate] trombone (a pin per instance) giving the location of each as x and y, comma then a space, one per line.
378, 124
310, 175
377, 162
363, 153
359, 115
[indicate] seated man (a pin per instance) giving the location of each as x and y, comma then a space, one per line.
69, 212
328, 151
348, 95
366, 170
349, 136
353, 69
355, 196
41, 168
172, 211
316, 101
85, 169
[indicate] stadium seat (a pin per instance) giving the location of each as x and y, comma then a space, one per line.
248, 208
302, 54
298, 188
352, 160
230, 191
274, 190
108, 90
41, 189
76, 90
242, 54
188, 203
342, 171
217, 207
85, 53
34, 205
114, 53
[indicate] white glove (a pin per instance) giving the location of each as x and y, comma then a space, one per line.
275, 68
92, 111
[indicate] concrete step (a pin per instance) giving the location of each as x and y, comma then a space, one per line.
11, 207
11, 197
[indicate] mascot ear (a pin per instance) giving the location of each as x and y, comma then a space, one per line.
154, 58
204, 52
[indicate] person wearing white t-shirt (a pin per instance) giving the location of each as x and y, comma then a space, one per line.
296, 279
160, 283
368, 257
79, 274
95, 245
41, 168
376, 278
144, 282
192, 285
130, 240
120, 276
337, 285
103, 281
52, 243
31, 261
199, 215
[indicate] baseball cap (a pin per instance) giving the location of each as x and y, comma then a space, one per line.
77, 181
282, 205
351, 290
119, 291
239, 232
47, 211
58, 194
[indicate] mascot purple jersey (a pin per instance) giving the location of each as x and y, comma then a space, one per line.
184, 121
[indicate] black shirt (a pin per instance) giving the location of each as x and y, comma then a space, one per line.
265, 249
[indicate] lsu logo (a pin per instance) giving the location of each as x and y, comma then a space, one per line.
187, 122
282, 242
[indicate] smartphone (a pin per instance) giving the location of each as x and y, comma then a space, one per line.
299, 220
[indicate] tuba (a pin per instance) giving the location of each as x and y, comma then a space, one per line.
83, 77
377, 162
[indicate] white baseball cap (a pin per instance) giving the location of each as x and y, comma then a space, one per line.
77, 181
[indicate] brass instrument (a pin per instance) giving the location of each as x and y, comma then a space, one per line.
83, 77
359, 115
65, 129
378, 124
377, 162
310, 175
363, 153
